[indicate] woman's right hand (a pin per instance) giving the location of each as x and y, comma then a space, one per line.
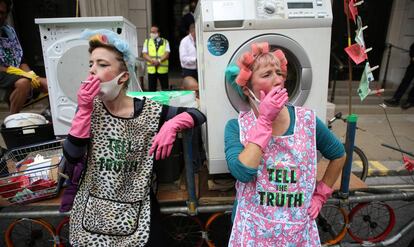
272, 103
87, 92
269, 108
81, 123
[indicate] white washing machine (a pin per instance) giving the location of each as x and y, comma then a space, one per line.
225, 29
66, 59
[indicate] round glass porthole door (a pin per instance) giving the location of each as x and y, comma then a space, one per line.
299, 77
72, 68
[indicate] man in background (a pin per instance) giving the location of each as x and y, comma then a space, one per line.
156, 52
188, 54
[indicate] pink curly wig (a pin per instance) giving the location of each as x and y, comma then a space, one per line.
248, 59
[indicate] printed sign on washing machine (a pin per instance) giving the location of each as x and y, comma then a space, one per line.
217, 44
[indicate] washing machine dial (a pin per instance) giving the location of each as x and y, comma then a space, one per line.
269, 8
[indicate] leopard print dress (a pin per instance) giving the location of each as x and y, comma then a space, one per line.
112, 206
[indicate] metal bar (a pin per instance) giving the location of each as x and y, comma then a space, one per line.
164, 210
406, 229
396, 196
349, 148
189, 171
200, 209
33, 214
397, 149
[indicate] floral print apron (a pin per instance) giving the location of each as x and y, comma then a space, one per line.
272, 209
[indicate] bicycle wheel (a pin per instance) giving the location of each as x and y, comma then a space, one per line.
30, 232
218, 228
360, 157
183, 230
62, 231
371, 222
332, 222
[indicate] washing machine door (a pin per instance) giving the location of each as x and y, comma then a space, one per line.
299, 78
68, 65
72, 68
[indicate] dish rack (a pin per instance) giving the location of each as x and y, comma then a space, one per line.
31, 173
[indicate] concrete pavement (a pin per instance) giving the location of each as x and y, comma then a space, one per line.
377, 129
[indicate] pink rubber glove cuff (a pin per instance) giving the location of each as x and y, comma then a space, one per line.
319, 198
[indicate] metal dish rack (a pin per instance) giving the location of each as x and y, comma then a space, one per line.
24, 180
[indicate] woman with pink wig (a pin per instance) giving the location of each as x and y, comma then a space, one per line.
271, 151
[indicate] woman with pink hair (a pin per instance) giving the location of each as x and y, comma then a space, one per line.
271, 151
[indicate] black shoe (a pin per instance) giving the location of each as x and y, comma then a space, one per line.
407, 105
392, 102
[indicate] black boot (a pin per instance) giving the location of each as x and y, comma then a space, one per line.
407, 105
392, 102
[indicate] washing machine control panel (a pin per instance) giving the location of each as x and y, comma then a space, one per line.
290, 9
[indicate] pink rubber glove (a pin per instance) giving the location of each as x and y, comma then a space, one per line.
81, 123
163, 141
269, 108
320, 196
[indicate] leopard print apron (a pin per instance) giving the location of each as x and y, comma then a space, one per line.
112, 206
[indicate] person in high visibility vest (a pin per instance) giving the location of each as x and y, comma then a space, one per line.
156, 51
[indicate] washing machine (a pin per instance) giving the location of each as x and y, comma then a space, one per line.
66, 60
225, 29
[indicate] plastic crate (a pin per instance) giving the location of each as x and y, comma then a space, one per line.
21, 136
26, 181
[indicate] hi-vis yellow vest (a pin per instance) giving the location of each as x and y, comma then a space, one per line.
153, 53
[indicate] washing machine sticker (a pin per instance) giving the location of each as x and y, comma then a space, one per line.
217, 44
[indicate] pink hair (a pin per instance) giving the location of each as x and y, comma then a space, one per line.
248, 61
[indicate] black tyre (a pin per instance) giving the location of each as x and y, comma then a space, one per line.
218, 228
359, 155
183, 230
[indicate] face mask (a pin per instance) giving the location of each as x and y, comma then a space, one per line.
253, 97
110, 89
154, 35
255, 101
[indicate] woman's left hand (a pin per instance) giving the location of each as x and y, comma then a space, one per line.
320, 196
163, 141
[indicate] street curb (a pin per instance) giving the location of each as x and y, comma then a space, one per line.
376, 173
